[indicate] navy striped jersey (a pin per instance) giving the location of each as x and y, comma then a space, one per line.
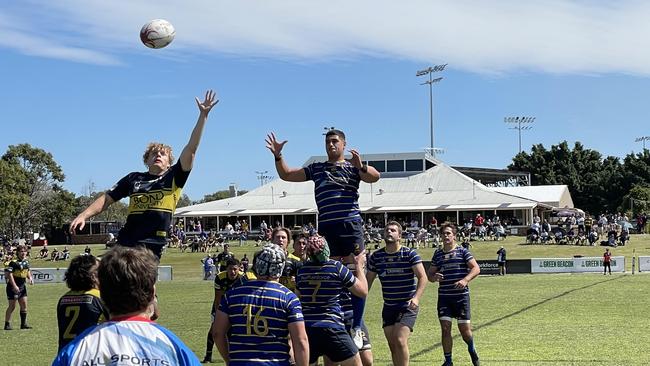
336, 189
152, 202
395, 272
259, 313
19, 269
320, 286
453, 266
78, 311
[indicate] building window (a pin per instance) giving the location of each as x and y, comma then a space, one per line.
414, 165
395, 165
380, 165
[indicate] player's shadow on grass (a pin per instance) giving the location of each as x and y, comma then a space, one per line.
522, 310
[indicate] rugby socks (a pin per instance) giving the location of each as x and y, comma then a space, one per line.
448, 359
23, 320
471, 349
208, 349
358, 306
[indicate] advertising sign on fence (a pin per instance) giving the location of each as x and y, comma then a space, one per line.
56, 275
491, 267
644, 264
578, 264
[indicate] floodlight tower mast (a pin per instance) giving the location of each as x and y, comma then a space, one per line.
517, 121
429, 71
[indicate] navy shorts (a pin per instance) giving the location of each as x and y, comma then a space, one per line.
334, 343
343, 238
393, 315
155, 247
450, 307
11, 295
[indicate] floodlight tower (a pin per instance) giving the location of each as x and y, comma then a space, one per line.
517, 121
644, 139
263, 177
429, 71
328, 129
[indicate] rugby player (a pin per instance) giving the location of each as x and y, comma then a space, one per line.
320, 282
254, 320
397, 267
81, 307
453, 267
336, 190
17, 275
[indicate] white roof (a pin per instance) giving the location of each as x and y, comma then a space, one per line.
440, 188
551, 195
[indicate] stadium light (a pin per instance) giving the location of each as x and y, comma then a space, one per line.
263, 177
644, 139
429, 71
517, 121
328, 129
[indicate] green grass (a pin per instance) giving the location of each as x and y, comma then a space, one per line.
545, 319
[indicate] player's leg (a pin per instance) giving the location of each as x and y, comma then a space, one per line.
465, 328
22, 302
447, 340
397, 336
9, 311
209, 344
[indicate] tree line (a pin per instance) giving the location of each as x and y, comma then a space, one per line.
32, 197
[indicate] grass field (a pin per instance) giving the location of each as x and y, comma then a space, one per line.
545, 319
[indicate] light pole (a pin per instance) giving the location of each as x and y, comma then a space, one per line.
261, 175
517, 121
644, 139
328, 129
429, 71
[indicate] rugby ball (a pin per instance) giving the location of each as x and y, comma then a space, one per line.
157, 33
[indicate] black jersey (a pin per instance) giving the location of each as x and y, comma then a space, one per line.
19, 269
77, 311
152, 202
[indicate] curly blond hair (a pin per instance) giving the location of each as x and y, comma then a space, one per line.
155, 147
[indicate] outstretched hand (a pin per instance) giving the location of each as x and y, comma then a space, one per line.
209, 102
356, 159
273, 145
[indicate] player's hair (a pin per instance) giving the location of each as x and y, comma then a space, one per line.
450, 225
394, 223
286, 231
127, 278
82, 272
20, 248
155, 147
232, 262
335, 132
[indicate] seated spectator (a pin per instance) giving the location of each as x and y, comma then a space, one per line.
625, 237
500, 232
127, 278
43, 254
593, 236
544, 237
65, 254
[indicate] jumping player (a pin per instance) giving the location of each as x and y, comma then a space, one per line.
81, 307
336, 190
454, 267
153, 195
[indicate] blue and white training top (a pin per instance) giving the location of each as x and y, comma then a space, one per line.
126, 342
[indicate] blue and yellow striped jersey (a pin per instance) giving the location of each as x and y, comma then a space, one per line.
336, 189
259, 313
453, 266
395, 272
320, 286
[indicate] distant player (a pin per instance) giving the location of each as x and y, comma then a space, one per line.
336, 190
398, 267
127, 278
223, 282
255, 319
320, 282
17, 275
454, 267
81, 307
607, 261
153, 195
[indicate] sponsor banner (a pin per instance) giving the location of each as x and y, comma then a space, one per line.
581, 264
491, 267
644, 264
56, 275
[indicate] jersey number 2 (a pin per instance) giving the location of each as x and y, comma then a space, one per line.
74, 312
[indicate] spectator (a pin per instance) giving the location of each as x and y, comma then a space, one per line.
501, 260
607, 259
127, 278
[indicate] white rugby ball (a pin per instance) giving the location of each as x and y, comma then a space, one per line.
157, 33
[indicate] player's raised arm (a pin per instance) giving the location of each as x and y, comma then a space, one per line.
98, 206
367, 173
284, 172
187, 155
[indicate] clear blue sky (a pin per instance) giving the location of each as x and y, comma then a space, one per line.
77, 82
